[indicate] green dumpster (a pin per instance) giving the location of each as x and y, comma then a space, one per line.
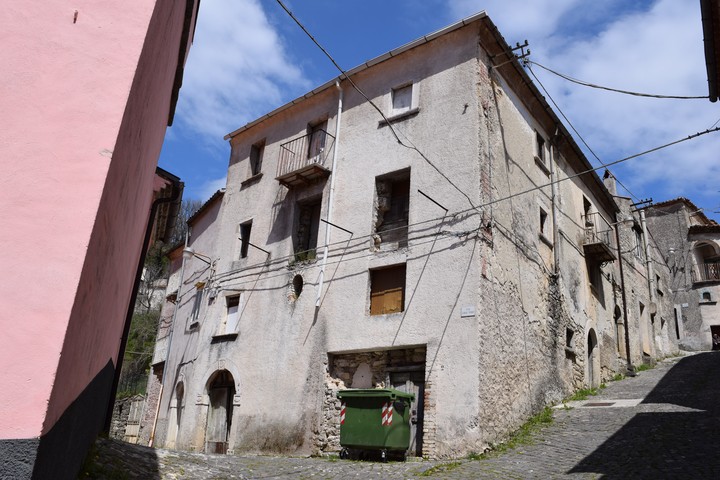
374, 420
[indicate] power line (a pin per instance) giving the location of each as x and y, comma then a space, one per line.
411, 146
626, 92
508, 197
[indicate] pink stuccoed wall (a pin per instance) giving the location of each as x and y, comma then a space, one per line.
84, 110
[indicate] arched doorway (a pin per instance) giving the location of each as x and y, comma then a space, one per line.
221, 390
592, 359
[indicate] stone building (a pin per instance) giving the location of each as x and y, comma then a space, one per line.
690, 245
440, 233
89, 90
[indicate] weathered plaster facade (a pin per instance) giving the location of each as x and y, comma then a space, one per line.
90, 91
689, 243
496, 315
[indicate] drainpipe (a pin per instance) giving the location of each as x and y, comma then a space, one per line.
555, 212
177, 189
331, 196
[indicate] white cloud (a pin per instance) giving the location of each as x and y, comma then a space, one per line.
208, 188
236, 69
652, 47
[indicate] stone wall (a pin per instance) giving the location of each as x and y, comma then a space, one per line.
367, 370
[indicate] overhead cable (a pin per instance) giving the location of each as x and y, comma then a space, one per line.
411, 146
626, 92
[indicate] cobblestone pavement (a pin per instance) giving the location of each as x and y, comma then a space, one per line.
662, 424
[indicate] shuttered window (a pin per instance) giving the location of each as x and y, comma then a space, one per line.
387, 290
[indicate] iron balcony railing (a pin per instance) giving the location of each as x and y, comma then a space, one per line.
598, 241
306, 151
707, 272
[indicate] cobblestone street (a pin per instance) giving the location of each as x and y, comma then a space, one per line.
664, 423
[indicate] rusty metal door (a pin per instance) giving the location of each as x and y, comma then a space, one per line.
413, 382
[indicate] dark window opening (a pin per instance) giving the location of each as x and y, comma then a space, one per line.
245, 238
540, 147
387, 290
308, 226
677, 325
393, 208
256, 157
543, 220
316, 143
297, 285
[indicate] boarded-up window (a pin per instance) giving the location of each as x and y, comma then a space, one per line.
387, 290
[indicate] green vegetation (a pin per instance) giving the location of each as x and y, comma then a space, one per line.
440, 468
522, 436
617, 377
582, 394
643, 366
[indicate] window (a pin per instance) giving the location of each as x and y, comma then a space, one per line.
308, 225
387, 290
658, 286
256, 157
232, 314
638, 250
245, 238
316, 139
540, 148
197, 305
706, 297
393, 208
402, 99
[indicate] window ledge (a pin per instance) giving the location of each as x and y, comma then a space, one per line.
224, 337
249, 181
194, 325
400, 116
540, 163
545, 240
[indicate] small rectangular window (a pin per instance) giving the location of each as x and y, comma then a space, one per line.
387, 290
540, 148
543, 221
401, 99
232, 316
256, 157
639, 248
245, 238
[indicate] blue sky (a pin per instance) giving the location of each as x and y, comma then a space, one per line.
249, 58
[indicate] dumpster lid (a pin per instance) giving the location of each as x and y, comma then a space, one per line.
390, 393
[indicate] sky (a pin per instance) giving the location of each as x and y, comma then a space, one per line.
249, 57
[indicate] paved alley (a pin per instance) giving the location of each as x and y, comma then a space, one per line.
664, 423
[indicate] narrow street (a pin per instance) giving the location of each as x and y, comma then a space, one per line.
664, 423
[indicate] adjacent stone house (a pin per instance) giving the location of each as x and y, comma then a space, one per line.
440, 233
689, 243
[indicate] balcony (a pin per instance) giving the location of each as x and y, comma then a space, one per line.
598, 239
707, 272
304, 160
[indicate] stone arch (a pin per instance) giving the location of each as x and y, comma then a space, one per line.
592, 359
221, 391
706, 256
